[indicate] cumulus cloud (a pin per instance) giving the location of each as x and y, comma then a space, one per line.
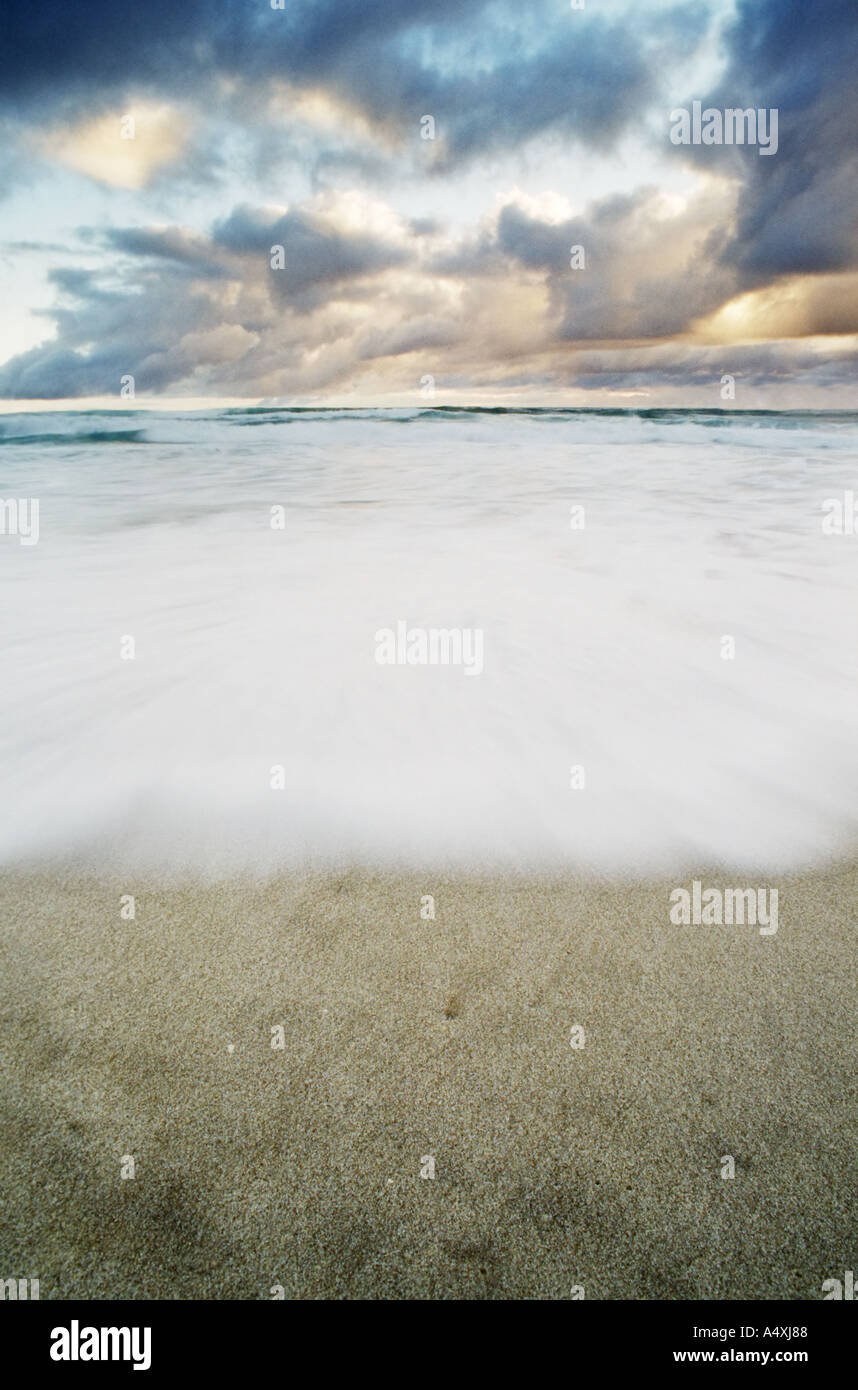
360, 286
642, 265
181, 309
757, 254
323, 245
796, 211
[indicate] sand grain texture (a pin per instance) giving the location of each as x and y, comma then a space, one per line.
599, 1166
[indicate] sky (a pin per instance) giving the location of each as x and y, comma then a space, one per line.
426, 168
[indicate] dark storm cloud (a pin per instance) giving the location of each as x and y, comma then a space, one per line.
492, 76
797, 209
588, 83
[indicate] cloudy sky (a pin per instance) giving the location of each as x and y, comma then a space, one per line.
406, 257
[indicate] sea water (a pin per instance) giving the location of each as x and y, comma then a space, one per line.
669, 638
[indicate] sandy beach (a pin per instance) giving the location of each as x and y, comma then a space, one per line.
261, 1168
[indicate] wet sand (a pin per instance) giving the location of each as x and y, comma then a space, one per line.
259, 1168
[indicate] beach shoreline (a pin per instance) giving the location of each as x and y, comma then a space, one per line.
264, 1170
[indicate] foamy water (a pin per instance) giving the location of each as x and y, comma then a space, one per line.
255, 647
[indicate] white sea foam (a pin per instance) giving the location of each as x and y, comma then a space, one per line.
602, 647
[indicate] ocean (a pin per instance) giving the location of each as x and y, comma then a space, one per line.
666, 603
